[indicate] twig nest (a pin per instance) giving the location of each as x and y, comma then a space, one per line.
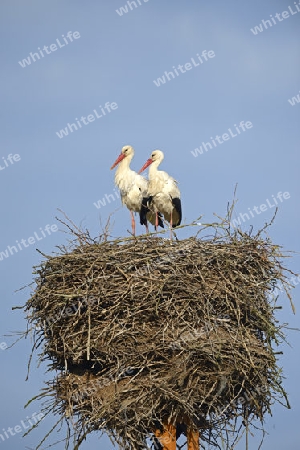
146, 330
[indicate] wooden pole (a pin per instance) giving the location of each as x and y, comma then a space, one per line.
193, 440
167, 437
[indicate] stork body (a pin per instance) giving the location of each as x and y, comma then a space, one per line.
133, 187
163, 193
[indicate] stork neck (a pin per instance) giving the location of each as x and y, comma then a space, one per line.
124, 164
153, 168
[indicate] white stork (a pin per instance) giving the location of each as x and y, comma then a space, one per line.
133, 187
163, 193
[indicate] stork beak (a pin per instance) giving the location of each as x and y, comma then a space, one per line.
147, 164
118, 160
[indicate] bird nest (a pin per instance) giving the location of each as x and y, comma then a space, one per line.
146, 331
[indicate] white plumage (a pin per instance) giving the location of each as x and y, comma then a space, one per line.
133, 187
163, 193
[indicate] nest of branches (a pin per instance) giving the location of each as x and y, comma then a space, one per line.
145, 331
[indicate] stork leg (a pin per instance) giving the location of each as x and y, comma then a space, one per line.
132, 223
147, 228
156, 221
171, 223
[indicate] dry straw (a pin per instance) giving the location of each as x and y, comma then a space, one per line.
146, 330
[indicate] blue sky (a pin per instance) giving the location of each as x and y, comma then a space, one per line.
116, 59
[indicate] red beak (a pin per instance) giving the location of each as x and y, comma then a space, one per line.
147, 164
118, 160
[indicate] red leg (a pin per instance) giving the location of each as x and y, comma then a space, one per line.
132, 223
156, 221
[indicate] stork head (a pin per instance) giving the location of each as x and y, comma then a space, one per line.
156, 155
126, 152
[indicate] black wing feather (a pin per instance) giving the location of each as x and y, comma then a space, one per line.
177, 205
145, 208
